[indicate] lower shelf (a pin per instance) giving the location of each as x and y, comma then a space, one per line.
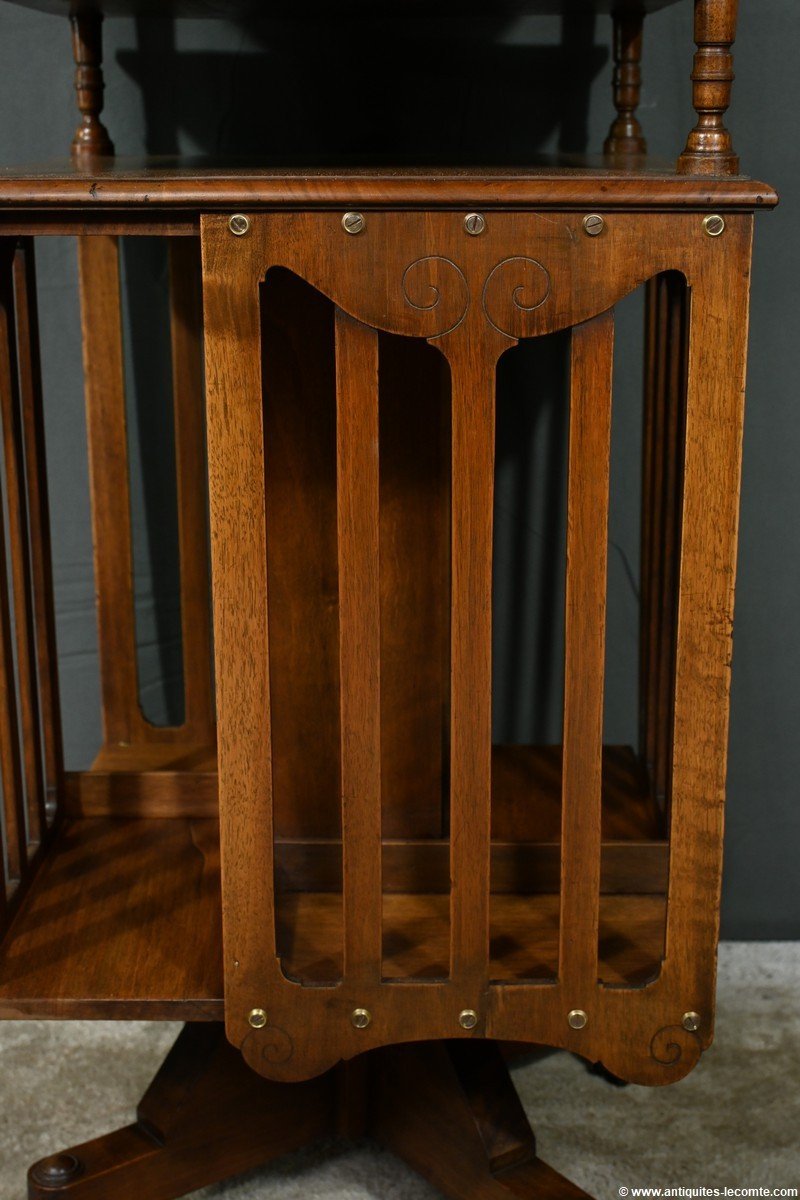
524, 935
122, 920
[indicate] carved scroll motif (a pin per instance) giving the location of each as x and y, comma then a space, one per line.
669, 1045
515, 288
435, 285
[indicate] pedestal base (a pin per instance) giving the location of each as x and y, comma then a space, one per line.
449, 1109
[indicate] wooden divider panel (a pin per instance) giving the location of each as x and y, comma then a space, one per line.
423, 275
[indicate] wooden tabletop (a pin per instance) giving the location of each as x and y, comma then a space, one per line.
334, 8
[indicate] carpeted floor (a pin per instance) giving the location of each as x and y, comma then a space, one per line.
734, 1122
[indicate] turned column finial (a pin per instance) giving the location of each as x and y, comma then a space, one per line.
91, 136
625, 138
709, 149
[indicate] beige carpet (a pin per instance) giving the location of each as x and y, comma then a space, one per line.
735, 1122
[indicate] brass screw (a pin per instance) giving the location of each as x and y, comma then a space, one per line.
714, 225
353, 222
577, 1018
474, 223
257, 1018
593, 225
468, 1018
239, 224
691, 1022
361, 1017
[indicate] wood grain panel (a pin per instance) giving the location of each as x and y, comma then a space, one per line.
123, 921
473, 415
359, 643
106, 427
584, 639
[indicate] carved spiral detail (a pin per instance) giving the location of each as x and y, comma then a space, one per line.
527, 281
669, 1045
271, 1044
423, 283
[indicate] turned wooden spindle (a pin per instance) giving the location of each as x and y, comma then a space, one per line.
625, 138
91, 136
709, 149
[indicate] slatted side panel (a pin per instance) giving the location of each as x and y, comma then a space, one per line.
473, 384
359, 643
28, 682
587, 533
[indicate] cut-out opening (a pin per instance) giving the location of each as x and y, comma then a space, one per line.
414, 455
645, 502
532, 431
299, 397
152, 474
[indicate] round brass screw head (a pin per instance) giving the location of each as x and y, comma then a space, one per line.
474, 223
257, 1018
239, 224
577, 1018
353, 222
714, 225
593, 225
361, 1017
691, 1022
468, 1018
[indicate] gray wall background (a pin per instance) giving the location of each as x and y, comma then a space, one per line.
461, 90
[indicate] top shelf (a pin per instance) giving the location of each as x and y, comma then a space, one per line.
190, 186
235, 9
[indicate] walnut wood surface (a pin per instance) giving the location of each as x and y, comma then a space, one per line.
127, 184
122, 920
421, 274
584, 639
123, 916
91, 136
625, 138
709, 148
206, 1117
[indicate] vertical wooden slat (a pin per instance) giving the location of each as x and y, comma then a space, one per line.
38, 510
233, 359
587, 554
10, 762
359, 643
186, 323
716, 360
101, 323
19, 545
473, 417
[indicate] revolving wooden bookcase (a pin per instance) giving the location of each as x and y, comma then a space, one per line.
401, 903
